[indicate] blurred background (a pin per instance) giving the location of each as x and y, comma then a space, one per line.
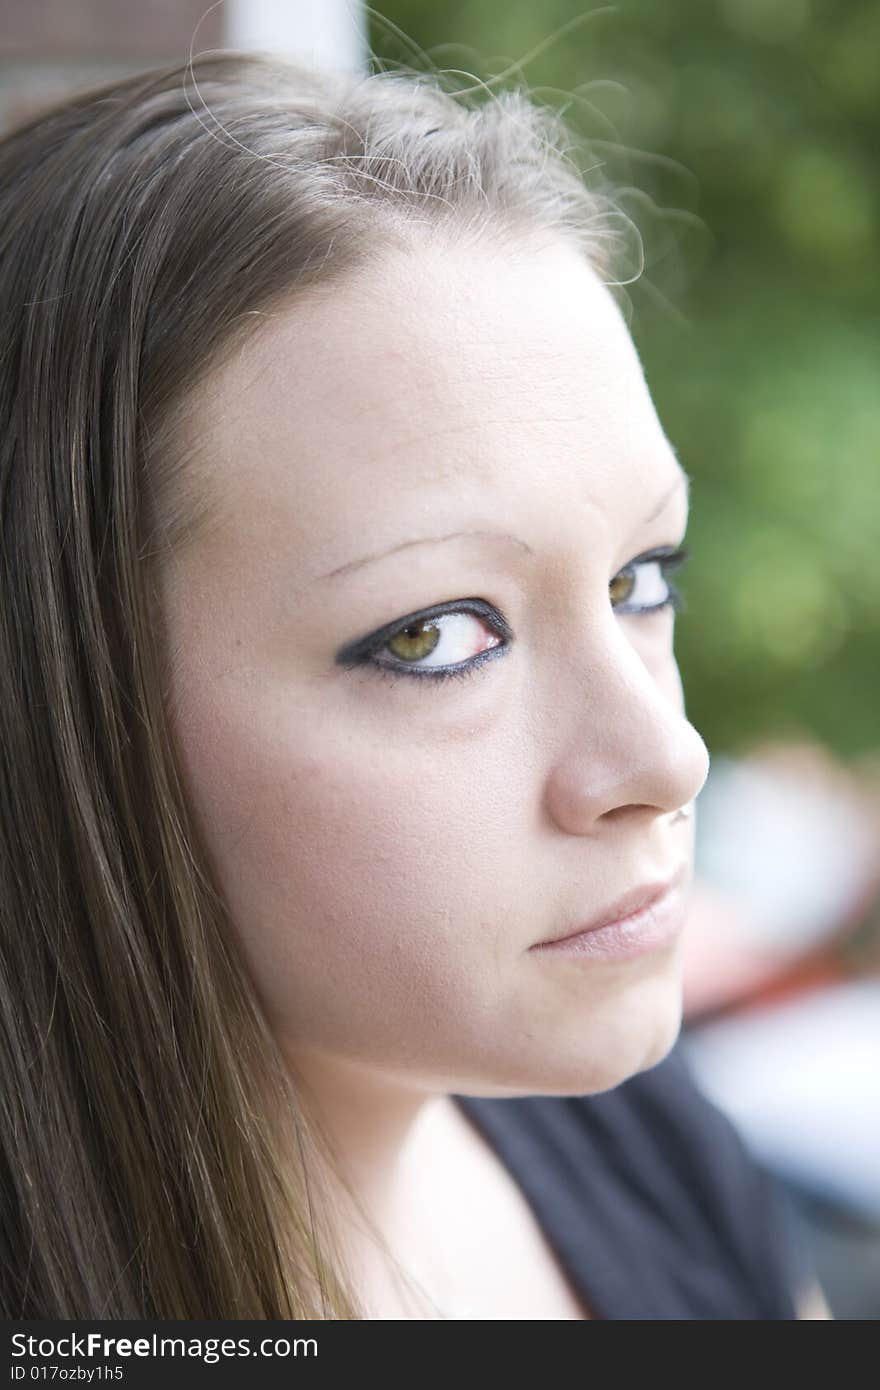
741, 138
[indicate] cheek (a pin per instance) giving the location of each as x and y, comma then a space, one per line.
356, 876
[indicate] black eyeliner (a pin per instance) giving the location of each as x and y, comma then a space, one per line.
671, 556
361, 650
357, 651
668, 557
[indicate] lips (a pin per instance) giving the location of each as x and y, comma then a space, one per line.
636, 900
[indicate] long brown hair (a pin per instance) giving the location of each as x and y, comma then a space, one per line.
156, 1156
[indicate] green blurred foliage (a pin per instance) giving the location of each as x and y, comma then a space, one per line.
742, 136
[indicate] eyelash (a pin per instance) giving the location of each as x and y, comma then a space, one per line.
666, 557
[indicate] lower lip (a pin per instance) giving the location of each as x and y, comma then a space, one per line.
649, 929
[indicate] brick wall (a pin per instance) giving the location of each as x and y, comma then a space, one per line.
49, 48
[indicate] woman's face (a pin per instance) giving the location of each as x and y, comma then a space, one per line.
458, 427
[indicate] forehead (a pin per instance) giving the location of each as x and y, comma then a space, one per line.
438, 369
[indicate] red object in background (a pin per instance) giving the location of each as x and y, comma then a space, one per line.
787, 894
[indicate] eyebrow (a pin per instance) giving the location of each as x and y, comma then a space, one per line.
682, 480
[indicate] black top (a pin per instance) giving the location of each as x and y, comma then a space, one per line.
650, 1199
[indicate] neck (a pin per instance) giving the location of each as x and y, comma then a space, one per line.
400, 1146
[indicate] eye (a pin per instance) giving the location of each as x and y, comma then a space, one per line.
642, 586
447, 640
451, 641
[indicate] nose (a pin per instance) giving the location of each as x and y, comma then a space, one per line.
628, 744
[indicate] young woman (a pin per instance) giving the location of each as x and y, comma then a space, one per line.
338, 689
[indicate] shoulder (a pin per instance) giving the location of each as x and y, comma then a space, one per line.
717, 1198
655, 1179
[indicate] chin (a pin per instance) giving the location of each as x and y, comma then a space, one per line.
632, 1042
605, 1068
600, 1044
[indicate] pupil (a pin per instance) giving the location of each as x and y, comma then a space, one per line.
621, 587
416, 640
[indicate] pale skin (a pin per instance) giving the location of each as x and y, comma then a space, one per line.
391, 849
